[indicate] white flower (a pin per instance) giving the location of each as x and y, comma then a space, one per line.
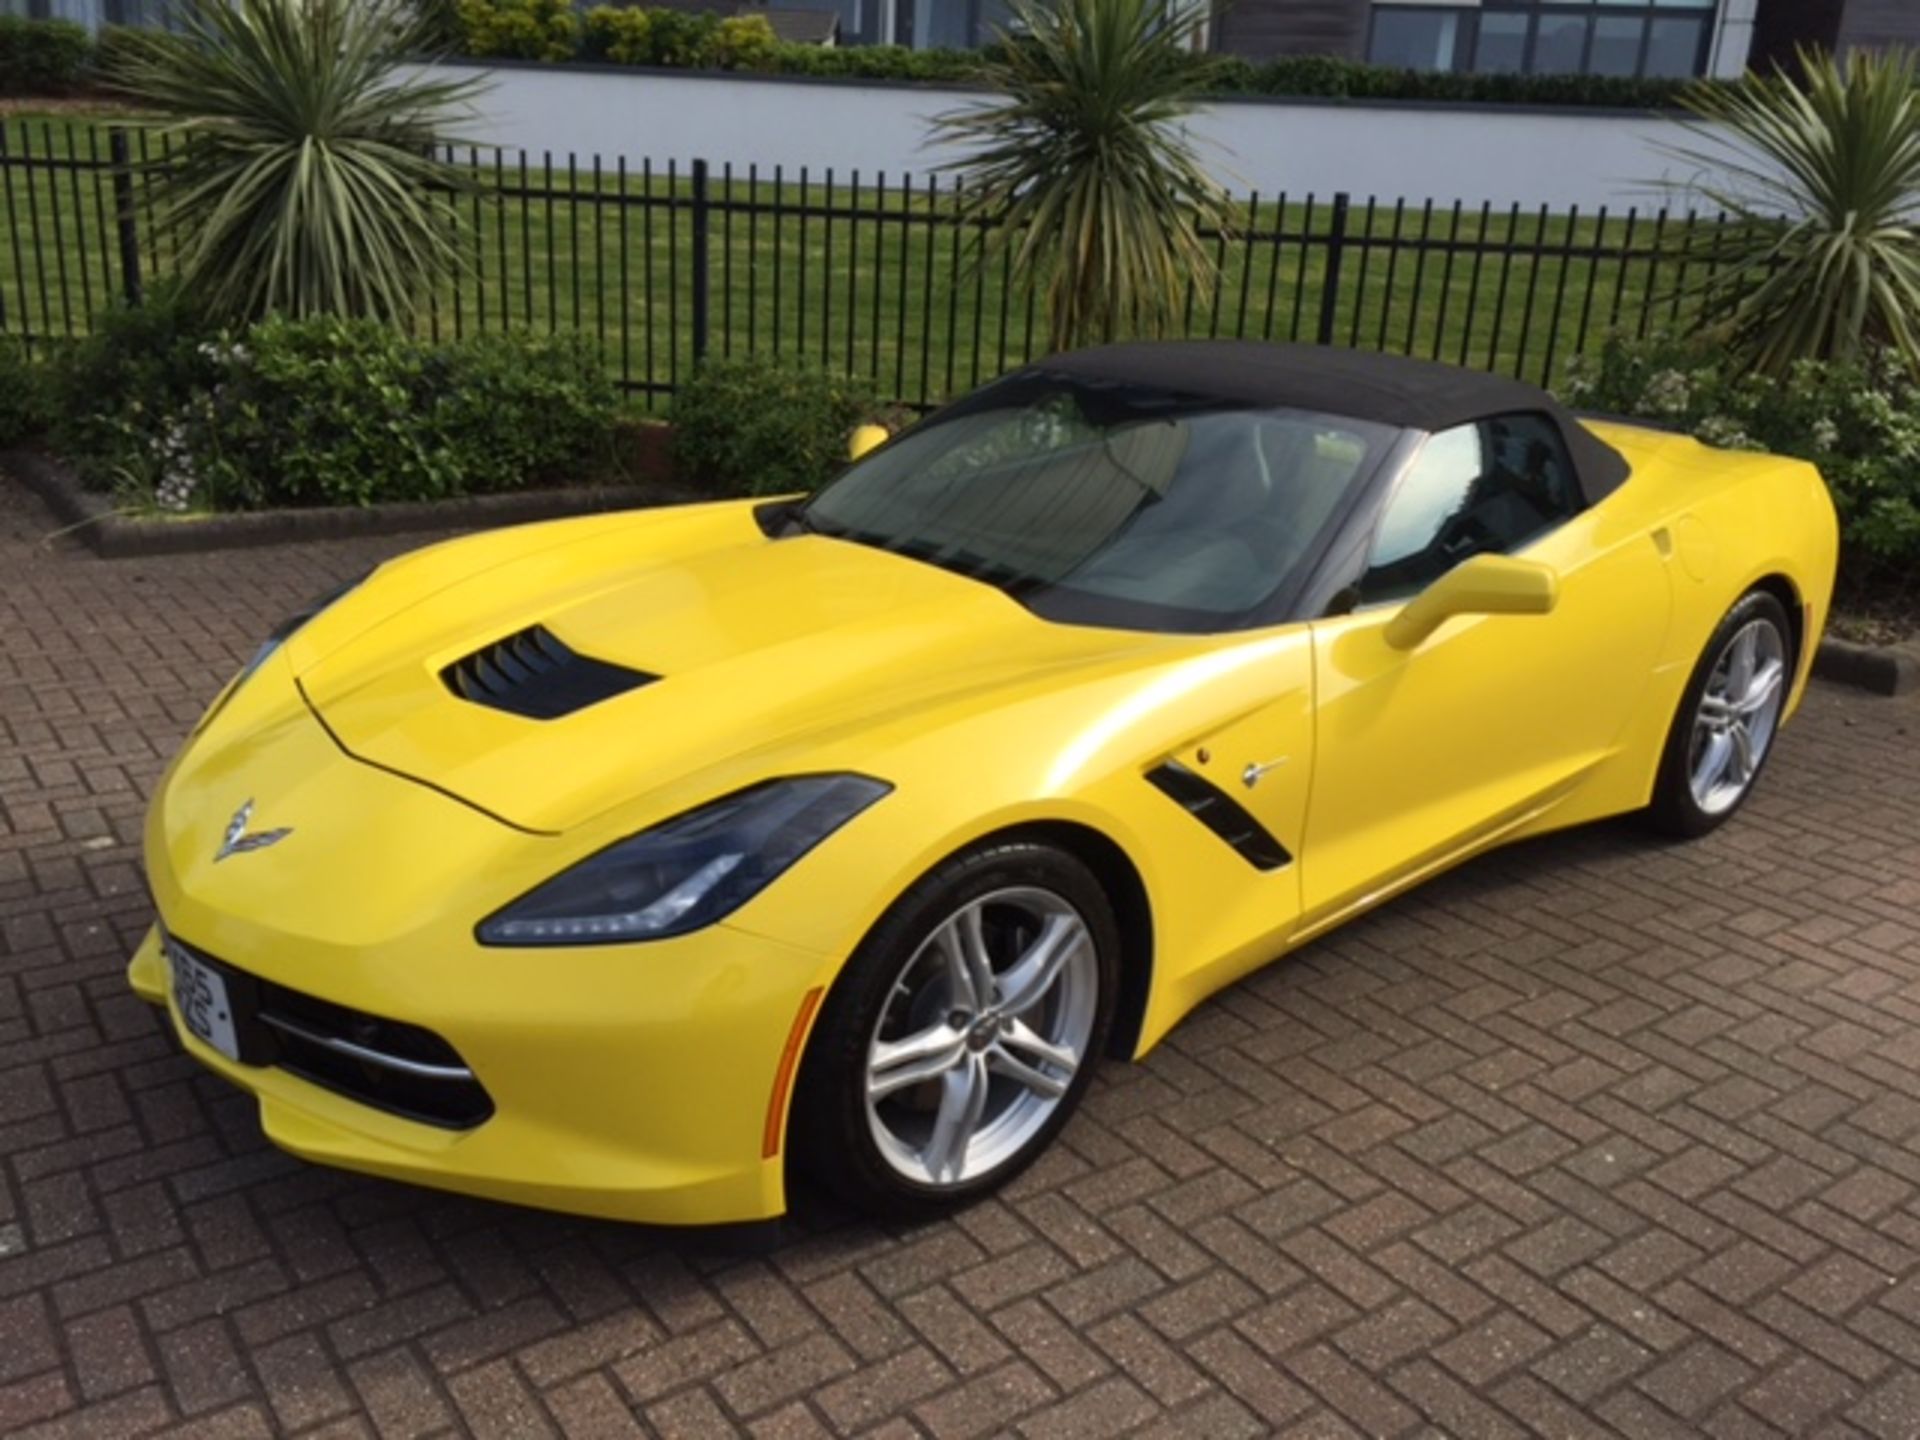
175, 493
1724, 432
1668, 393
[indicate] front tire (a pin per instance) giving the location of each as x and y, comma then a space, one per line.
962, 1033
1727, 720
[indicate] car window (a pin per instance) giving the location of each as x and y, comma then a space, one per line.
1109, 504
1486, 488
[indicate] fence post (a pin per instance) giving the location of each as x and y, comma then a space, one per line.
701, 274
125, 216
1336, 250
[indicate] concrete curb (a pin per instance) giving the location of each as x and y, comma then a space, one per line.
1883, 669
91, 516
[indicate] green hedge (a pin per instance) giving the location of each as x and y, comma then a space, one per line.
551, 30
1326, 76
1306, 76
173, 416
43, 57
1860, 423
751, 425
24, 406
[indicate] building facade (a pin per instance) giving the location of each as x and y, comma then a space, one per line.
1655, 38
1664, 38
922, 24
1783, 25
1658, 38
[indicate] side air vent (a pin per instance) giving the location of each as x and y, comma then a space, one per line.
533, 673
1221, 814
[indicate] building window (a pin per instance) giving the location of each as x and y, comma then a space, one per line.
1560, 42
1501, 46
1416, 39
1661, 38
857, 17
1616, 44
1676, 45
927, 24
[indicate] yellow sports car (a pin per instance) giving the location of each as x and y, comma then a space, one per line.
640, 864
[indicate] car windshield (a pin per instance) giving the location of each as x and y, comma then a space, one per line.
1109, 504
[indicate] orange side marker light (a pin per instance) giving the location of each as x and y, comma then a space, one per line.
783, 1078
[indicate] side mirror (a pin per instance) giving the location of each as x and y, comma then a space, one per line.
1484, 585
865, 438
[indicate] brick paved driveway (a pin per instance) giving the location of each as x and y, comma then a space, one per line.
1591, 1136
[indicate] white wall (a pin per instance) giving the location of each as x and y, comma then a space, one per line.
1502, 154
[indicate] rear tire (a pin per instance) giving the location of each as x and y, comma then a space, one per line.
1727, 721
961, 1034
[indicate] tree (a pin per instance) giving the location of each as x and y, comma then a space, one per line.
305, 179
1082, 167
1820, 257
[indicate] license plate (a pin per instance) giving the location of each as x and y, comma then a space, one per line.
200, 994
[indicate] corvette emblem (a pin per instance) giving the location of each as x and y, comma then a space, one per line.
238, 840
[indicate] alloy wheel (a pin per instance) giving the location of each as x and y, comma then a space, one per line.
981, 1036
1739, 712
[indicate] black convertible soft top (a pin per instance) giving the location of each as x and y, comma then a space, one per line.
1388, 389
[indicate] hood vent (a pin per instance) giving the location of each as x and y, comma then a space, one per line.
532, 673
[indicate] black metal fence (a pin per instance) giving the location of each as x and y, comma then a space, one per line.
873, 275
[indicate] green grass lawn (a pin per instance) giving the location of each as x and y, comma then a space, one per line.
878, 282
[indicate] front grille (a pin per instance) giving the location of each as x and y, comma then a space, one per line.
532, 673
402, 1069
385, 1063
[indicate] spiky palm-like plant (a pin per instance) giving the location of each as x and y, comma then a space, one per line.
1082, 166
303, 178
1819, 173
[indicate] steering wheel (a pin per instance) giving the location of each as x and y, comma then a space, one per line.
1463, 535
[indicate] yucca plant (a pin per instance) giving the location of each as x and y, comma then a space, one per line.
302, 176
1819, 175
1081, 165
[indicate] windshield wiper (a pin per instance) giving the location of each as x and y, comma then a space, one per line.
781, 519
792, 517
968, 563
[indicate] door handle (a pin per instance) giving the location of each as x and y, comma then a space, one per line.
1250, 776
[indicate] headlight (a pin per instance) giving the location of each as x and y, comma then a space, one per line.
277, 637
687, 872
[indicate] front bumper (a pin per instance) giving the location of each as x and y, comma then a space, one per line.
636, 1082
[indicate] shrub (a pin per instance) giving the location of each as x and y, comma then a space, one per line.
515, 410
758, 426
24, 407
440, 24
114, 389
114, 48
745, 42
42, 57
879, 62
326, 411
1082, 168
1859, 421
681, 39
520, 29
622, 35
1822, 172
308, 181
